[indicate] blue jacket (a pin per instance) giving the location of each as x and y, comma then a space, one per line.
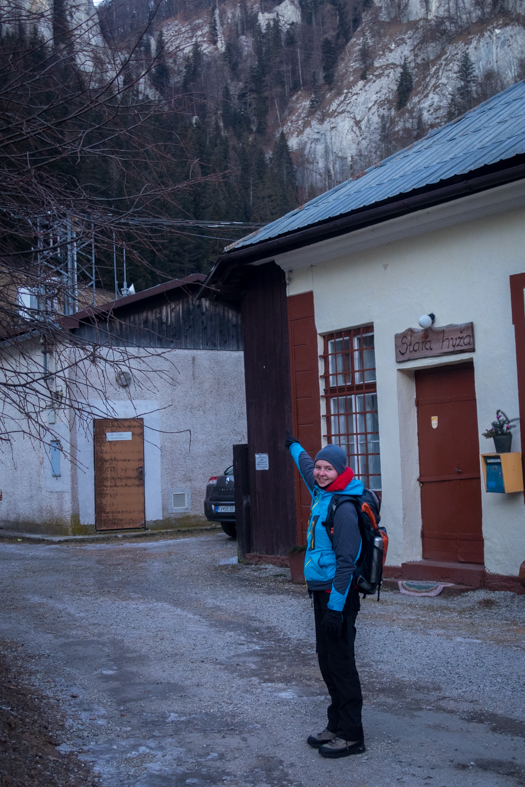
327, 565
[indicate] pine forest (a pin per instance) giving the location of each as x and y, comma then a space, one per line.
166, 129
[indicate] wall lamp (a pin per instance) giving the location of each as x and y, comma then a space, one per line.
426, 320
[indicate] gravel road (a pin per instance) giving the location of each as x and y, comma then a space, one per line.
175, 666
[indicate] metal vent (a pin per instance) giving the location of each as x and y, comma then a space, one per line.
179, 501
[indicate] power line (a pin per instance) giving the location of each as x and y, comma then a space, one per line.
210, 224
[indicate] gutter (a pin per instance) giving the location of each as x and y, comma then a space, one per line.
358, 220
22, 337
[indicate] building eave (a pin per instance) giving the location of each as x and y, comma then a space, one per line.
429, 219
96, 312
488, 178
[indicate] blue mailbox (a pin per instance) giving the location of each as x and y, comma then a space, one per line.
495, 481
502, 472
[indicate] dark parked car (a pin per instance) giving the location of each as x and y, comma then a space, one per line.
219, 503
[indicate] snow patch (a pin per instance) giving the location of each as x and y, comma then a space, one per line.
287, 13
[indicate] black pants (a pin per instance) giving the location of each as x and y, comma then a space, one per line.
337, 664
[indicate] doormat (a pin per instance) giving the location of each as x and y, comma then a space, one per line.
413, 588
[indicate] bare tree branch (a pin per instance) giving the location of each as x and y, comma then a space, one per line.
85, 161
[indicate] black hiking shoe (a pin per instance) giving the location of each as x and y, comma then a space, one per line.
322, 737
338, 747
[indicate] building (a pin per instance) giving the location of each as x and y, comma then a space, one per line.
331, 298
161, 402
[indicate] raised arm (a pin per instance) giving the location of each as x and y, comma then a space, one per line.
305, 464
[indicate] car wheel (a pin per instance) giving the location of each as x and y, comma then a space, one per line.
230, 529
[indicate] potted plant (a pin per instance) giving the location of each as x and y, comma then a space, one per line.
500, 431
296, 556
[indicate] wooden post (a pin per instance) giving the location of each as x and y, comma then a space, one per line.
242, 500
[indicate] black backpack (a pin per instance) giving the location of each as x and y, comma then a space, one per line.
369, 574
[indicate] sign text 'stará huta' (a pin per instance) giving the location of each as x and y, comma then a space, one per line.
449, 340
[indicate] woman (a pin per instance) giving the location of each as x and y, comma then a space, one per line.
329, 568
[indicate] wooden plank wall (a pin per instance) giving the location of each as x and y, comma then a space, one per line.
268, 408
304, 361
182, 324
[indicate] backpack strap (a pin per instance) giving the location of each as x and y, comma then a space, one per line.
335, 502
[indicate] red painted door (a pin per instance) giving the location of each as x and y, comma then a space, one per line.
449, 464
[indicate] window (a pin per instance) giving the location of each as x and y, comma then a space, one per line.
179, 501
55, 451
38, 303
27, 302
351, 401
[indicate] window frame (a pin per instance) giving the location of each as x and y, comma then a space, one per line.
348, 375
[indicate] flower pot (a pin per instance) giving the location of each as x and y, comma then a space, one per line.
502, 443
297, 566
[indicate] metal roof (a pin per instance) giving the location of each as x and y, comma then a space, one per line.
491, 132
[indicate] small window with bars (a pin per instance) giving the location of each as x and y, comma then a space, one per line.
351, 401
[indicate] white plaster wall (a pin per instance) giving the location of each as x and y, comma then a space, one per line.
461, 273
193, 407
31, 496
32, 499
209, 402
195, 412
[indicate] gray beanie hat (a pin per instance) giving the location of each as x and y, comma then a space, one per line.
335, 456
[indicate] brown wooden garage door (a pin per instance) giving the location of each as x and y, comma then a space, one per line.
119, 473
449, 464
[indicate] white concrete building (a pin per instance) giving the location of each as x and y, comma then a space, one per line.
437, 229
155, 430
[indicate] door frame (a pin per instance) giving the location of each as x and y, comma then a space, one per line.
149, 411
408, 452
470, 476
117, 530
517, 301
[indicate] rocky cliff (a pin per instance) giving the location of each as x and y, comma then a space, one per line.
336, 127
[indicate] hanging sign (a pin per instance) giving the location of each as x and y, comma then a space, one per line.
110, 436
261, 462
429, 342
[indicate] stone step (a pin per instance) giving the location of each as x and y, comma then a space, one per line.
451, 590
469, 574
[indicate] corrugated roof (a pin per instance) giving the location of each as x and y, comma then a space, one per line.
491, 132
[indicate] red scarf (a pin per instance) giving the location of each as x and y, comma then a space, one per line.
341, 482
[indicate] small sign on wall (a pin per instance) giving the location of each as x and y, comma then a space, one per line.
262, 462
110, 436
449, 340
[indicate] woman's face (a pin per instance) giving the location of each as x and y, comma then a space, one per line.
324, 473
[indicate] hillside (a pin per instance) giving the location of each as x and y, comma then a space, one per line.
327, 72
156, 119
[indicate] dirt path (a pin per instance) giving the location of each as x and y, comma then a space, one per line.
174, 667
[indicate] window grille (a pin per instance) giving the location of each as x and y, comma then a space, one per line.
351, 401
